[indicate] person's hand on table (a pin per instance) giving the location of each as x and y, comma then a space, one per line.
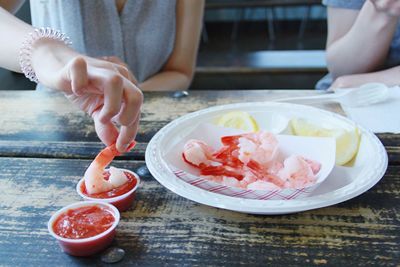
389, 77
390, 7
102, 89
347, 81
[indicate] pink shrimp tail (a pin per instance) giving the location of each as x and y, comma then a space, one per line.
131, 146
109, 153
106, 156
264, 174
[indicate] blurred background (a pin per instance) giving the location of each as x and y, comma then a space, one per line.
248, 44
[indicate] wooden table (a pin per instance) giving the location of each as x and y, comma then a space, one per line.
46, 145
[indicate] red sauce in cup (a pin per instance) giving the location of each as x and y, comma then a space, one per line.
83, 222
119, 191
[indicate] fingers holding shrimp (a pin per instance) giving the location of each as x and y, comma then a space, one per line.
127, 117
112, 100
133, 99
107, 132
111, 85
127, 135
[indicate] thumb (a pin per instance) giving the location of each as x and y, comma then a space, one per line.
77, 70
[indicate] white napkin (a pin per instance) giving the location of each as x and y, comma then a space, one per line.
381, 117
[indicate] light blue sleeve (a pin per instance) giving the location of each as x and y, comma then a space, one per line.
350, 4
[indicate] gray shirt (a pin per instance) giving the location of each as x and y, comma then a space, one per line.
393, 58
142, 35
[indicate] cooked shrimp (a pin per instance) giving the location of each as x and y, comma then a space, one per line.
196, 152
223, 170
250, 161
261, 147
297, 172
212, 178
315, 166
117, 177
265, 173
262, 185
248, 179
230, 181
94, 175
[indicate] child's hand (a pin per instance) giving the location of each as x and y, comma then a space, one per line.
95, 86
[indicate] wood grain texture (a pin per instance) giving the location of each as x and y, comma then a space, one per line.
43, 116
163, 228
60, 149
393, 155
88, 150
41, 124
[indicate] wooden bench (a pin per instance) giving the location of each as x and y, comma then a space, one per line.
256, 70
261, 70
268, 4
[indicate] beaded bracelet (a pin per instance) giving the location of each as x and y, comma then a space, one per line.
25, 53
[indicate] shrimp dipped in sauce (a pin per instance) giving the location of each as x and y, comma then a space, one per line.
94, 176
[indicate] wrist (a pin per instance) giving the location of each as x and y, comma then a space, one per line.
43, 48
51, 51
48, 58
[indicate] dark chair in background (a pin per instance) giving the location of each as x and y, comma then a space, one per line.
268, 5
261, 54
14, 81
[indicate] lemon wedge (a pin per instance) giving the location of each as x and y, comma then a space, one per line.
239, 120
347, 141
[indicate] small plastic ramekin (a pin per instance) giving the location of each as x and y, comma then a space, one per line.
85, 246
122, 202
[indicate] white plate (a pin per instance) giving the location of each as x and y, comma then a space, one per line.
342, 184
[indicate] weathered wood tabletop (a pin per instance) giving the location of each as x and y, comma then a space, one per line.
45, 146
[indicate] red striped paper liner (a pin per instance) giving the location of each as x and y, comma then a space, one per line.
283, 194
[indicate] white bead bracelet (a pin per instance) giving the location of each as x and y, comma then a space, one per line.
25, 53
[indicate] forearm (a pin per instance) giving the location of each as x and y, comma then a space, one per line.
179, 69
365, 46
389, 77
12, 32
166, 81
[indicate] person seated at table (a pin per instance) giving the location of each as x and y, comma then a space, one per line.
363, 43
151, 45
